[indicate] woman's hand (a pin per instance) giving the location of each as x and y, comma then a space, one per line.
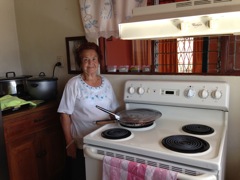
112, 116
72, 150
71, 147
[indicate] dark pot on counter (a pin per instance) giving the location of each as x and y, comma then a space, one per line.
42, 87
13, 85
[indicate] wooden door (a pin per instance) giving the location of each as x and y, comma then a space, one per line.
53, 148
22, 159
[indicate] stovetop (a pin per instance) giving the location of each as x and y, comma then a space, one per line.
148, 142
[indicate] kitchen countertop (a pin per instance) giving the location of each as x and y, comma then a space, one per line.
27, 107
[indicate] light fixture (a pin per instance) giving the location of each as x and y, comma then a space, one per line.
189, 18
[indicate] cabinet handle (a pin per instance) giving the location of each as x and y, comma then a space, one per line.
41, 154
44, 153
38, 120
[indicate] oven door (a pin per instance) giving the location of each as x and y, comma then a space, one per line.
94, 157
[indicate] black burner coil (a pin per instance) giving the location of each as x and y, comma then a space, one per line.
116, 133
198, 129
185, 144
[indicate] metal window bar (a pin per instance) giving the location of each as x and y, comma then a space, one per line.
185, 52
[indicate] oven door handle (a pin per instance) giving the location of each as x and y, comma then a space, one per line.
90, 153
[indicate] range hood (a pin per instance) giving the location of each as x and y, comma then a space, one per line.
181, 19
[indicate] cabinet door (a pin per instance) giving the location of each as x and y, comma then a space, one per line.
35, 144
22, 159
53, 149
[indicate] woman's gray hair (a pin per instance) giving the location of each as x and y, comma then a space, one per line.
87, 46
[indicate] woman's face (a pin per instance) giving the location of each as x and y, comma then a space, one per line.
90, 62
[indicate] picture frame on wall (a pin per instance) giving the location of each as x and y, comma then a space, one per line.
72, 43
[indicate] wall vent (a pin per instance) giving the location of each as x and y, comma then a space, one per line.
190, 172
177, 169
220, 1
183, 4
201, 2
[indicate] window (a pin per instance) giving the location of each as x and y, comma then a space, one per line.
217, 55
185, 54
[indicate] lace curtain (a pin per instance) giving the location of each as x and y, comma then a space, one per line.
101, 17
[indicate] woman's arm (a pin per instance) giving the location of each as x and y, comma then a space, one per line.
66, 125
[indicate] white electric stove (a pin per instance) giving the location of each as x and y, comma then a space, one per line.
189, 137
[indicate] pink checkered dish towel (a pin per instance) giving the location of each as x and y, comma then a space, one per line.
120, 169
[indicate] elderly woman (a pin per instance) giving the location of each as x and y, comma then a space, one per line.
78, 105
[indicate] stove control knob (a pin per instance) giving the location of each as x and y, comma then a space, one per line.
131, 90
190, 93
216, 94
203, 94
141, 90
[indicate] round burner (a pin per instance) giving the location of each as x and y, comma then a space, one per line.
116, 133
198, 129
136, 127
145, 128
185, 144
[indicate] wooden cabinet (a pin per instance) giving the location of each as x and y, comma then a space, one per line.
35, 144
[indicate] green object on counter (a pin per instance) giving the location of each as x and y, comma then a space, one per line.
9, 101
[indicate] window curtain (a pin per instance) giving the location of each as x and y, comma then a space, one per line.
197, 55
142, 52
101, 17
167, 57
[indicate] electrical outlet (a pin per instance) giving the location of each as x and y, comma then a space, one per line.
60, 59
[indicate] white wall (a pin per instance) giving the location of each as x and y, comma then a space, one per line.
42, 28
9, 49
